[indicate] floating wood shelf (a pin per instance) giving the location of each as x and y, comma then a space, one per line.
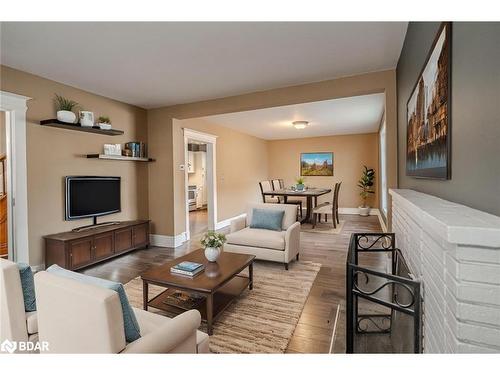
65, 125
118, 157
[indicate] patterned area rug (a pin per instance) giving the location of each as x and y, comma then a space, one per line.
326, 228
261, 320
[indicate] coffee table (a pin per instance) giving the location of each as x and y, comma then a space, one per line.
220, 283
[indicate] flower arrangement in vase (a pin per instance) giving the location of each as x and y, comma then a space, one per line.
212, 242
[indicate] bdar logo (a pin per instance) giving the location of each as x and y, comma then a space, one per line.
8, 346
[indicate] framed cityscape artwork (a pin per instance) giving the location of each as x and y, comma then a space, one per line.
428, 136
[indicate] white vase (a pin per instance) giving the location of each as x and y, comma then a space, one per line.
66, 116
212, 253
364, 211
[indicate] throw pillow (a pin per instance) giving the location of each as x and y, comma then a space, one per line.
264, 218
28, 285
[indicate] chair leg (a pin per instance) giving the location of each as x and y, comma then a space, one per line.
337, 214
297, 256
315, 217
300, 205
286, 266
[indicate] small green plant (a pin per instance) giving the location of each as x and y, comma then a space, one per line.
213, 239
63, 104
104, 120
366, 183
300, 180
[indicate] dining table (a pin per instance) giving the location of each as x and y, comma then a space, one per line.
311, 194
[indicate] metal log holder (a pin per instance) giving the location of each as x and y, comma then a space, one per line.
403, 297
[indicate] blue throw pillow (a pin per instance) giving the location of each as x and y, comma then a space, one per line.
265, 218
28, 285
132, 330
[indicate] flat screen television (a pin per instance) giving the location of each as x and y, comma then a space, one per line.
91, 196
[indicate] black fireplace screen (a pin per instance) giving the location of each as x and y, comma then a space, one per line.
383, 301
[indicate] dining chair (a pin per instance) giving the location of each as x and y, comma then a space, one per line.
328, 208
266, 186
279, 184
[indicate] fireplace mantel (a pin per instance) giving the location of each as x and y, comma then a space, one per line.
455, 251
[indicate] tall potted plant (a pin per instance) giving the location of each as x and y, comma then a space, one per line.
366, 184
64, 108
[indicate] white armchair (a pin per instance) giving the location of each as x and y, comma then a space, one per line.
74, 317
15, 324
278, 246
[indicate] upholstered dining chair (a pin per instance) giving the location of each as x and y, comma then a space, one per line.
279, 184
267, 186
328, 208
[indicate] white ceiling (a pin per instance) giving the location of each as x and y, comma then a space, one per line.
157, 64
353, 115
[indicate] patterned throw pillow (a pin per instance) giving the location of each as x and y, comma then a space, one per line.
28, 285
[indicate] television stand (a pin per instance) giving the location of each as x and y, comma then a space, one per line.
74, 250
94, 225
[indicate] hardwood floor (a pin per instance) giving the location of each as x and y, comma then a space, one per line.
324, 309
198, 221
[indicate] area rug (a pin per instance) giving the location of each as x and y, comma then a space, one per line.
326, 228
261, 320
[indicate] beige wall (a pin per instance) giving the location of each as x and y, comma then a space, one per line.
55, 153
161, 142
351, 152
241, 161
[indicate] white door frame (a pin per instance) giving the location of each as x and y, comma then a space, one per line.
210, 140
15, 108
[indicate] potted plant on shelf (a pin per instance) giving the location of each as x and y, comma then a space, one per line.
104, 122
300, 183
212, 243
366, 184
64, 108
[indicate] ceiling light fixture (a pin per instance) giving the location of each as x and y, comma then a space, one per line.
300, 124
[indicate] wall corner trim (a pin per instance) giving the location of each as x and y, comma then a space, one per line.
161, 240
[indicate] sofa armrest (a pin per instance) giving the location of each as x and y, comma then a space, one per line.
238, 224
292, 241
168, 336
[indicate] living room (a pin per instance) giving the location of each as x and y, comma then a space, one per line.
283, 271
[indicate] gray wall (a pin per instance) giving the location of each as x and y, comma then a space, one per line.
475, 119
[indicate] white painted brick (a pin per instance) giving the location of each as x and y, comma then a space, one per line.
455, 251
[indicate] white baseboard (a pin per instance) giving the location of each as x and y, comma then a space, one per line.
227, 222
355, 211
167, 241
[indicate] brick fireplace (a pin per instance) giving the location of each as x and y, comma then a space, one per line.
454, 251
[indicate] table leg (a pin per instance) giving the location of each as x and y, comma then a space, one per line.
309, 210
145, 294
285, 199
250, 276
210, 312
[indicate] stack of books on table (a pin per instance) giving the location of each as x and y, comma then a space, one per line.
189, 269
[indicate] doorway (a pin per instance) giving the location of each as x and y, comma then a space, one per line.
200, 182
4, 238
197, 187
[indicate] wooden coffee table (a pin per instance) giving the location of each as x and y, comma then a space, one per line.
220, 283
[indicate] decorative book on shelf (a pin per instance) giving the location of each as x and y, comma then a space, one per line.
69, 126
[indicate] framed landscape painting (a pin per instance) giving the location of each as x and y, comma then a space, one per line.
428, 136
316, 164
